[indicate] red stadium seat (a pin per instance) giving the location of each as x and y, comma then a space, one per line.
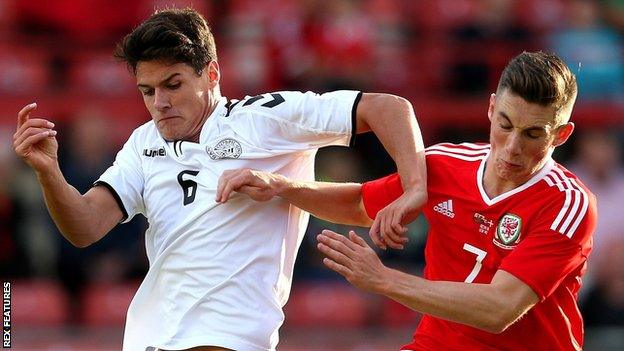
326, 305
442, 15
99, 72
396, 315
541, 15
38, 303
22, 70
107, 304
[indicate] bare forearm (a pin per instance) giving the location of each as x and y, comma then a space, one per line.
334, 202
72, 213
476, 305
394, 122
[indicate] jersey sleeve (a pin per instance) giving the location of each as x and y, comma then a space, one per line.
550, 253
124, 179
291, 120
379, 193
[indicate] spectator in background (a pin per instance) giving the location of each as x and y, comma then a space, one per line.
12, 246
483, 45
118, 256
593, 50
604, 303
598, 162
340, 32
613, 13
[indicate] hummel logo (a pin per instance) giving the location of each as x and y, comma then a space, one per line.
153, 153
445, 208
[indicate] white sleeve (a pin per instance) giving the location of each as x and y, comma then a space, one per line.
292, 119
124, 179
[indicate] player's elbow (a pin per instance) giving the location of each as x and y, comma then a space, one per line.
82, 238
79, 241
498, 322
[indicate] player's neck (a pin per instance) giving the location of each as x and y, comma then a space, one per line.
493, 184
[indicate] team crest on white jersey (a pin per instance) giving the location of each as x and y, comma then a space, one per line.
508, 231
226, 148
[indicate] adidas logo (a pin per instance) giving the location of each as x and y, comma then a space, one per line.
445, 208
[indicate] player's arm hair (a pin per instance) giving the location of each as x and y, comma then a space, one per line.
82, 219
333, 202
490, 307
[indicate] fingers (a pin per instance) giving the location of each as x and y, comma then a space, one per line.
374, 234
390, 238
357, 239
24, 114
332, 238
229, 181
336, 267
19, 139
33, 123
22, 147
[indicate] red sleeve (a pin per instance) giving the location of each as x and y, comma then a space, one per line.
546, 257
379, 193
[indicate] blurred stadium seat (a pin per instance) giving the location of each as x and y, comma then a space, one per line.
23, 70
440, 16
39, 303
99, 72
396, 315
326, 304
107, 304
541, 15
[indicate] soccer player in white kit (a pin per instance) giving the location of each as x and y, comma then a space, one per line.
219, 272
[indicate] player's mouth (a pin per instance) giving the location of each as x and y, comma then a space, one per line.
509, 165
167, 118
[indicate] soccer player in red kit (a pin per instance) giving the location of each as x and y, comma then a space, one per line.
510, 230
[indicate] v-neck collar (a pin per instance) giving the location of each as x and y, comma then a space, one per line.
536, 178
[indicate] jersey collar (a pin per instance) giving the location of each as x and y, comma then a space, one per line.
536, 178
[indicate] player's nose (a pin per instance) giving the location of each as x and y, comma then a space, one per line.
161, 100
513, 144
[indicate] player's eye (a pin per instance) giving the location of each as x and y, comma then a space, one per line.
534, 134
147, 92
505, 127
174, 86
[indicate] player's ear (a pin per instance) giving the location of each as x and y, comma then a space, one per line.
563, 133
491, 106
212, 70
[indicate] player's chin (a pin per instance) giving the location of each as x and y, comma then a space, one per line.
169, 134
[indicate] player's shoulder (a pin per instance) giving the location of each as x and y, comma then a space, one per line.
561, 180
470, 152
286, 101
571, 199
265, 103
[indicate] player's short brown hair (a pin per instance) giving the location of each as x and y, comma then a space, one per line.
540, 78
171, 35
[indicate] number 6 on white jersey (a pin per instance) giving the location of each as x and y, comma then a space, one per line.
477, 267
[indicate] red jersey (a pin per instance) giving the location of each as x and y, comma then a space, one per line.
540, 232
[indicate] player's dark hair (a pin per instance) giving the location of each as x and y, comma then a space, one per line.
171, 35
540, 78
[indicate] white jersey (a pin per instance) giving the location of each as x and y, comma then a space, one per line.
219, 274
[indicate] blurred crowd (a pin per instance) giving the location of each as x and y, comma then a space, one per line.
444, 55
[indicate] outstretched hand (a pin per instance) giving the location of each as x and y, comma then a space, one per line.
35, 141
352, 258
389, 228
258, 185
